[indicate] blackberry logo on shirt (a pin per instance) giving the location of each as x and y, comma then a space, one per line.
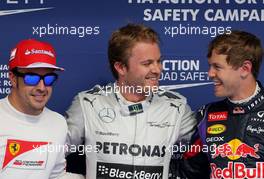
102, 169
113, 171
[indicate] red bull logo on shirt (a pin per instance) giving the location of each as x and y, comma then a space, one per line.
235, 149
238, 171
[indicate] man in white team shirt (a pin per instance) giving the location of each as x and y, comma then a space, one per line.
129, 127
32, 137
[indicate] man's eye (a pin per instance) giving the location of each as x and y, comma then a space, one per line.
146, 64
217, 67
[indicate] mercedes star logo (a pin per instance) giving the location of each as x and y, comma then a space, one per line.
107, 115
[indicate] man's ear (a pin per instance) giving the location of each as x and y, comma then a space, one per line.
246, 69
12, 78
120, 68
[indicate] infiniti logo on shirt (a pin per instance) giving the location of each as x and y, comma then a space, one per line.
261, 114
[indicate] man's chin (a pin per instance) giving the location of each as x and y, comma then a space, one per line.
152, 84
219, 95
151, 88
39, 104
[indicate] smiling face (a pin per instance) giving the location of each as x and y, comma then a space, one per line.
29, 99
144, 66
227, 79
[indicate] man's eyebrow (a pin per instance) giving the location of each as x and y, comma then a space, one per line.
159, 59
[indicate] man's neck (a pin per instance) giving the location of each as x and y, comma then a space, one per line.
133, 97
130, 95
249, 90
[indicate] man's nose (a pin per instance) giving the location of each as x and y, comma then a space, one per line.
41, 86
211, 72
156, 68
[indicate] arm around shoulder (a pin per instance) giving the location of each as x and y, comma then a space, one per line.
75, 121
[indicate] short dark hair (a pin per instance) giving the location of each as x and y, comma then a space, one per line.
239, 46
124, 39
